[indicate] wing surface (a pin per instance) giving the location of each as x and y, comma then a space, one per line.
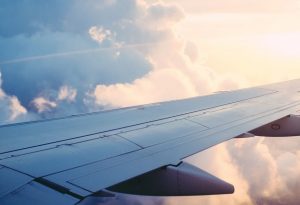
67, 159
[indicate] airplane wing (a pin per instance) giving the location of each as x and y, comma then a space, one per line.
137, 150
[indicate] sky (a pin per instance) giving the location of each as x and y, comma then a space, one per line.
59, 58
244, 37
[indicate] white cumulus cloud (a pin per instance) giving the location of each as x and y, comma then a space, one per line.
10, 108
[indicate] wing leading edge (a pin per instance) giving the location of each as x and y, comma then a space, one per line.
69, 159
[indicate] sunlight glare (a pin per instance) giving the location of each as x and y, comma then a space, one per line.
281, 44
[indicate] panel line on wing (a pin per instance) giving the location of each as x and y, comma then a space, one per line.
195, 139
149, 115
130, 141
253, 118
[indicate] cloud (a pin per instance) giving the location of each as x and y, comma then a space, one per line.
79, 71
87, 59
191, 51
271, 178
67, 93
10, 108
43, 104
44, 35
136, 52
57, 103
176, 69
160, 16
99, 34
117, 95
236, 6
262, 182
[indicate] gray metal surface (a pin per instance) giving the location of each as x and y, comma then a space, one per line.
164, 154
35, 193
44, 132
274, 107
11, 180
87, 153
67, 156
160, 133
